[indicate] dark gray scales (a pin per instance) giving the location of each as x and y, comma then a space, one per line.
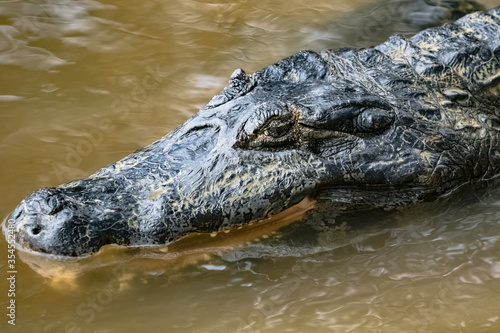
408, 120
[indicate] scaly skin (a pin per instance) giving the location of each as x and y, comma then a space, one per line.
407, 120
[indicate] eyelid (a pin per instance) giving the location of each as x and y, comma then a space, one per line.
253, 133
262, 116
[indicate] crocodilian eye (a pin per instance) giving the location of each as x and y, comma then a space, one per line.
277, 127
275, 133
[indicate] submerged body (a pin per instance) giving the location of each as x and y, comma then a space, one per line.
407, 120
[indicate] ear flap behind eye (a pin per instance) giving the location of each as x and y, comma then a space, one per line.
373, 120
354, 119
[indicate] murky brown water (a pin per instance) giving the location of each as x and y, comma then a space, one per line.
84, 83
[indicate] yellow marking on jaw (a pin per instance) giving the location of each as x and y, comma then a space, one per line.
156, 194
132, 222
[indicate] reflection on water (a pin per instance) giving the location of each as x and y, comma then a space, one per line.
186, 251
84, 83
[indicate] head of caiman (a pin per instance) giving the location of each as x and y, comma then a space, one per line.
373, 128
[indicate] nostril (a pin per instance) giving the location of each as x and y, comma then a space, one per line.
19, 214
36, 230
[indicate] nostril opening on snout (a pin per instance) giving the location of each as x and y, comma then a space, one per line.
36, 230
19, 214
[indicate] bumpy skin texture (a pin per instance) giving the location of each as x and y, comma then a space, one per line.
407, 120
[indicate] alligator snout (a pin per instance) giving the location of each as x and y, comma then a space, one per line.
34, 213
372, 128
48, 221
38, 217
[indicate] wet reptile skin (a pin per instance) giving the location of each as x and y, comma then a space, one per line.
407, 120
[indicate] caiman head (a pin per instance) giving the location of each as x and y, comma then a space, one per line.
357, 128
